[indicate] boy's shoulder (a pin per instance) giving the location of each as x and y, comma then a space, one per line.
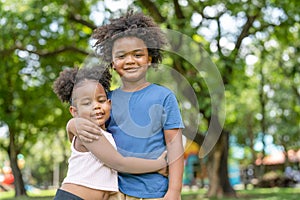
161, 88
151, 89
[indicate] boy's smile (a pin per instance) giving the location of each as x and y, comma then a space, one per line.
131, 59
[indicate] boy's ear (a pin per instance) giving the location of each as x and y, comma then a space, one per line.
73, 111
149, 60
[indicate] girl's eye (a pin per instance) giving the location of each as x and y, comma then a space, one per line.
86, 103
102, 100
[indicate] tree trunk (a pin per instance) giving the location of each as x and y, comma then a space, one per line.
18, 179
217, 160
223, 173
213, 168
262, 100
250, 135
217, 168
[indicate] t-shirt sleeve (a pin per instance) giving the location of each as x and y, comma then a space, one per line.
172, 117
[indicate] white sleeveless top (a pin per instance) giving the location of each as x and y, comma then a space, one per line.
87, 170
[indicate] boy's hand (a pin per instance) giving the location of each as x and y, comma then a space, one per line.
172, 195
86, 130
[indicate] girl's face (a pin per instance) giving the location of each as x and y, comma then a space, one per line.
91, 102
130, 58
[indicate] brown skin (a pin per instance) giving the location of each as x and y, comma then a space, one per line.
90, 103
131, 61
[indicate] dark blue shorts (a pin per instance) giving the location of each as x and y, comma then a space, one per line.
64, 195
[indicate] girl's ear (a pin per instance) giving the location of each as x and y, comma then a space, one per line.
109, 103
73, 111
113, 66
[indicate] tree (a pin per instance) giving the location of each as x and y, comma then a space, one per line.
227, 43
36, 42
39, 38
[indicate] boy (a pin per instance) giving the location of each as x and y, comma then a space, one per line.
145, 117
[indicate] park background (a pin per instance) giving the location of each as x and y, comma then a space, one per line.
254, 45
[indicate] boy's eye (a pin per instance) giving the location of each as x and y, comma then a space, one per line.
138, 55
120, 56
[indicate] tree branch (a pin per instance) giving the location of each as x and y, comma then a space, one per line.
290, 76
178, 11
78, 18
155, 13
245, 31
46, 53
195, 7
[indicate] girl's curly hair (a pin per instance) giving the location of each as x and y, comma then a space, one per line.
63, 86
137, 25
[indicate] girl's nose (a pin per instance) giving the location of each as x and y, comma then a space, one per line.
97, 105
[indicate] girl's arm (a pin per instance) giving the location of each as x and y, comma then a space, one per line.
89, 133
105, 152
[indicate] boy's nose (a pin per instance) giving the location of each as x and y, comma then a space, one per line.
129, 58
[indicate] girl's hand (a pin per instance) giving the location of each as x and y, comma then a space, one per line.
165, 170
86, 130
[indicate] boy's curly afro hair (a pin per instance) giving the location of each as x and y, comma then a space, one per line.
136, 25
70, 77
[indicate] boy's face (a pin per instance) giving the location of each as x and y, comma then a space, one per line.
91, 103
130, 58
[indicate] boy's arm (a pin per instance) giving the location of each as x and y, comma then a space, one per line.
105, 152
84, 129
175, 151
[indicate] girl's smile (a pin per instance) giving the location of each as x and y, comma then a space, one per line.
90, 102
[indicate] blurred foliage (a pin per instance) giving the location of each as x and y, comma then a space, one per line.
40, 38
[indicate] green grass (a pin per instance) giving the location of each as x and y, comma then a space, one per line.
255, 194
272, 193
37, 195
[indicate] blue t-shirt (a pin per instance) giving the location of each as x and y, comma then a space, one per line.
137, 122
